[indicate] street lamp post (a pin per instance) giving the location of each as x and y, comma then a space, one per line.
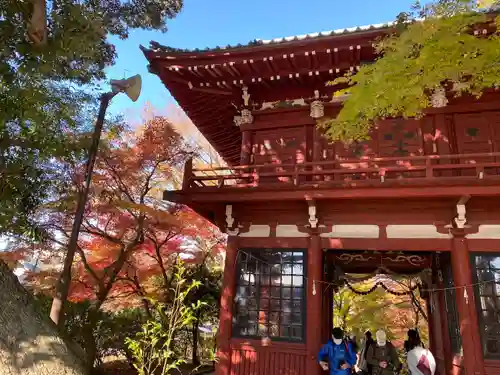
132, 88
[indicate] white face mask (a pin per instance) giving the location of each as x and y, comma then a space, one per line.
381, 338
337, 341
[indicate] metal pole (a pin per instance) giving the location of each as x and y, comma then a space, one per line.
62, 291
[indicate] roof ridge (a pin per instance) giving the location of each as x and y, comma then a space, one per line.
344, 30
256, 42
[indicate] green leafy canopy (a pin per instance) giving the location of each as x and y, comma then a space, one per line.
48, 92
434, 46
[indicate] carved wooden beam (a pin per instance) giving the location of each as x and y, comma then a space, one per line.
461, 219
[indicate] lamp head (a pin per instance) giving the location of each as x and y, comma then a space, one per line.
130, 86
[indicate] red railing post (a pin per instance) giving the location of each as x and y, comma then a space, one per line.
188, 174
296, 175
255, 177
429, 171
480, 172
343, 170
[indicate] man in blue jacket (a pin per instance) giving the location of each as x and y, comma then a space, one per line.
337, 355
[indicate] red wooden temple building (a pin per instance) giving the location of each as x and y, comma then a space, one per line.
420, 195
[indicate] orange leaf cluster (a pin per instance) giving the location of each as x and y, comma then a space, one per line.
129, 237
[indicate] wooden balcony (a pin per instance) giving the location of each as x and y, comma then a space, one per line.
426, 170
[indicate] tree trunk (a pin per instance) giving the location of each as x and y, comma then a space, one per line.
196, 324
147, 308
29, 342
89, 339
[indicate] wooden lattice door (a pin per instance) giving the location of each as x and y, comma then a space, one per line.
477, 133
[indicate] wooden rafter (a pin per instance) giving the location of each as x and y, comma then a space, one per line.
208, 84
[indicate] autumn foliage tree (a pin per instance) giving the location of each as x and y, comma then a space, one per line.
130, 236
356, 313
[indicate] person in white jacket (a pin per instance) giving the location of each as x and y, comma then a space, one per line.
420, 360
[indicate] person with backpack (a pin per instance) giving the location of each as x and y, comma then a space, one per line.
352, 339
363, 365
411, 333
383, 356
420, 360
337, 355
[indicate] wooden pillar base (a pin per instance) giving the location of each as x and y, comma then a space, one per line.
462, 274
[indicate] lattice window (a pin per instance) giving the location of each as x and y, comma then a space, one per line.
487, 272
270, 295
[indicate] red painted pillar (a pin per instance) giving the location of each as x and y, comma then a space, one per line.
223, 366
327, 318
314, 301
436, 332
467, 315
443, 324
246, 147
431, 315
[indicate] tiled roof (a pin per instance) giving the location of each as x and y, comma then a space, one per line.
157, 47
349, 30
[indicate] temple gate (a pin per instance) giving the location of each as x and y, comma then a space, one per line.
429, 187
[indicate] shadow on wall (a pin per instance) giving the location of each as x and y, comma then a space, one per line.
29, 342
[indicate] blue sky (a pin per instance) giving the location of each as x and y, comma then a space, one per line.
208, 23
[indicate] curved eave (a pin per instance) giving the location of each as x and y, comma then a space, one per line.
207, 85
213, 116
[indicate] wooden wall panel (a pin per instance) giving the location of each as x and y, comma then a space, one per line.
399, 137
492, 367
254, 358
477, 133
279, 146
288, 137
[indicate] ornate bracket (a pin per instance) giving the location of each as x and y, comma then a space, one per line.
438, 98
245, 116
313, 220
317, 107
460, 221
245, 96
230, 229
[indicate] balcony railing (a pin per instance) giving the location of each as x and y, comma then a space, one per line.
350, 172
